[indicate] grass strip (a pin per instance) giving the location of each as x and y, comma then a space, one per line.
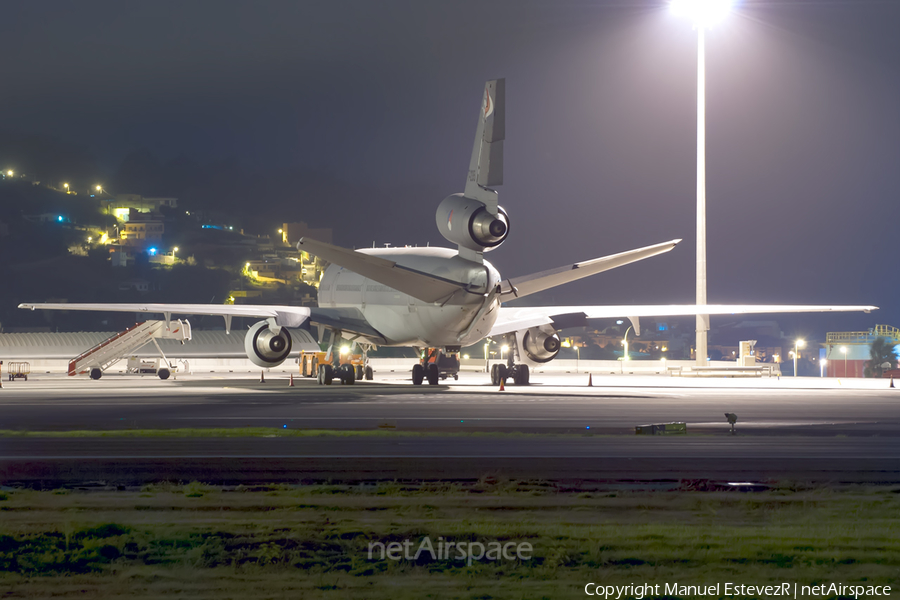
203, 541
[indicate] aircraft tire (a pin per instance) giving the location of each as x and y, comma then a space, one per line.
418, 374
433, 373
370, 375
358, 372
495, 378
96, 373
348, 377
521, 375
327, 374
502, 373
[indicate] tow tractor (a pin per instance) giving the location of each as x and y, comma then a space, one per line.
311, 361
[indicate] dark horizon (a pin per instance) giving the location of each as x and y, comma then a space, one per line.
374, 107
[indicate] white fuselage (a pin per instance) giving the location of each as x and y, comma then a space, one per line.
405, 321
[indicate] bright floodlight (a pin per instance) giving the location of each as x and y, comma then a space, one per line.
704, 13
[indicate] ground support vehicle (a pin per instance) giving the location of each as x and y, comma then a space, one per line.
352, 367
18, 370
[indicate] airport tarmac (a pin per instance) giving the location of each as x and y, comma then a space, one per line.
557, 428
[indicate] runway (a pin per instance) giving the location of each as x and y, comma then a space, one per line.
556, 429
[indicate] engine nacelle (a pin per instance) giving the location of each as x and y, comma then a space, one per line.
467, 222
538, 344
265, 348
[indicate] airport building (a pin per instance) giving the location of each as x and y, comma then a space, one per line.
848, 351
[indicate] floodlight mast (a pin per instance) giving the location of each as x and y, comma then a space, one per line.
704, 13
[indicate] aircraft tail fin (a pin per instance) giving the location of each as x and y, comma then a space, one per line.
537, 282
486, 164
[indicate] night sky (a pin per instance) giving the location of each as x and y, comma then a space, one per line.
803, 126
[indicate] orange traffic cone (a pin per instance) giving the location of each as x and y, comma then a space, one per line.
291, 384
262, 376
502, 386
590, 380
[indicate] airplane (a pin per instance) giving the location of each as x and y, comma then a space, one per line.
441, 298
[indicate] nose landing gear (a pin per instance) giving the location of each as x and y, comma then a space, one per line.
435, 365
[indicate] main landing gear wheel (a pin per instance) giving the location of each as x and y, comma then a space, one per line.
348, 375
418, 374
432, 373
370, 375
498, 373
521, 375
358, 372
326, 374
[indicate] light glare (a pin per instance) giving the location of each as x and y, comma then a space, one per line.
704, 13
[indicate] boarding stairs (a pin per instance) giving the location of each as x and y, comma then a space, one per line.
110, 351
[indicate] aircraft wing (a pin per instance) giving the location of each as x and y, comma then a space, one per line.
513, 319
350, 320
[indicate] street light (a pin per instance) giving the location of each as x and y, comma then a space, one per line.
503, 348
822, 364
66, 185
625, 343
704, 13
844, 350
797, 345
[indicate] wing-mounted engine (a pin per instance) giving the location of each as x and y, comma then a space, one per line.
538, 345
469, 224
267, 347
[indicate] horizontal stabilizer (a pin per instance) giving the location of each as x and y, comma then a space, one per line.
417, 284
537, 282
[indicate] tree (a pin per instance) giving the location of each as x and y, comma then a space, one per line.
881, 352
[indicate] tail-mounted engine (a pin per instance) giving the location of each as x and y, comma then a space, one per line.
538, 344
264, 347
467, 222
